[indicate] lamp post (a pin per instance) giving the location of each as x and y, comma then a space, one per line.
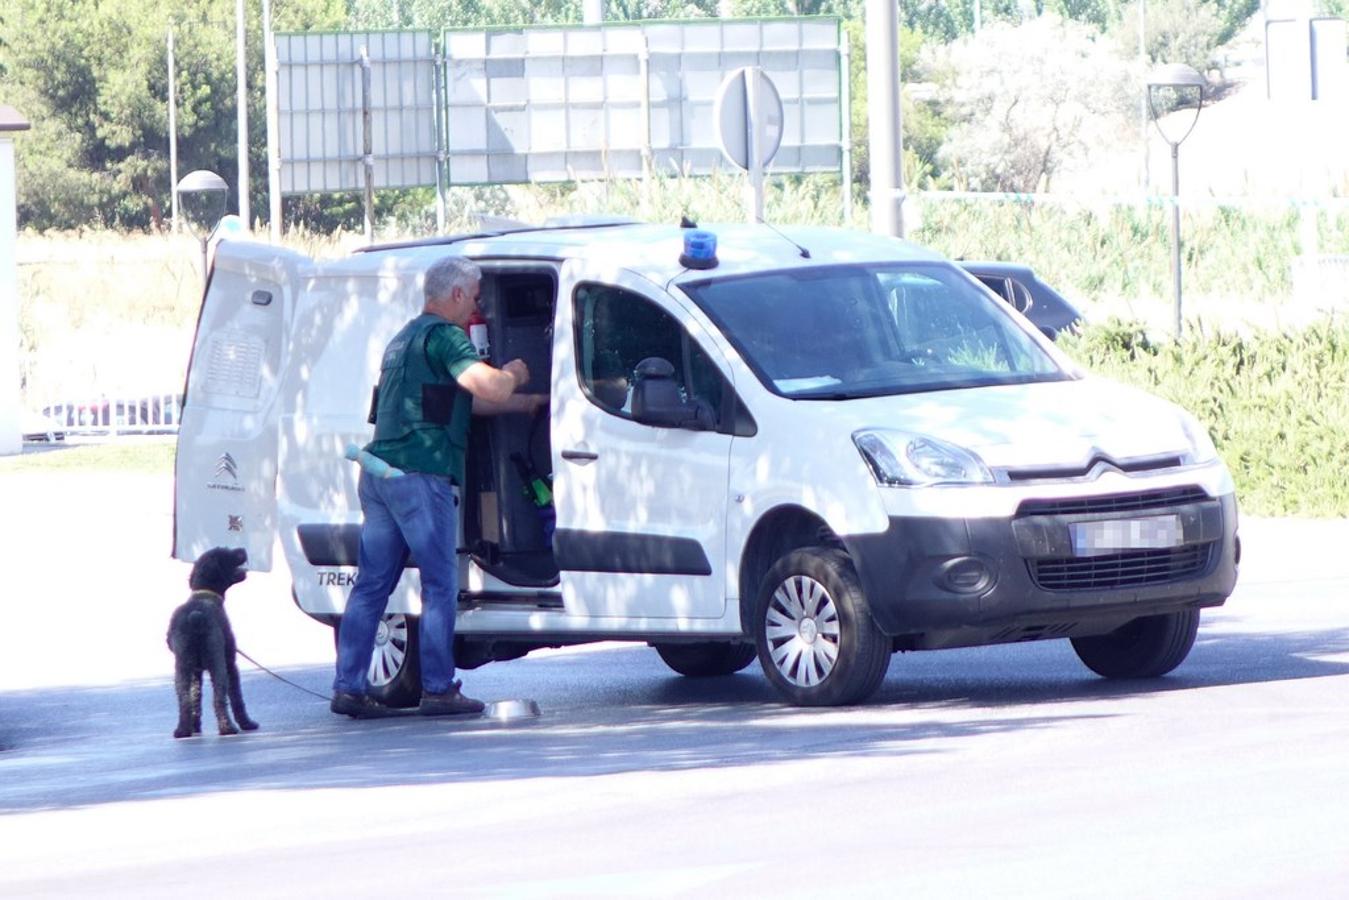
1171, 87
209, 192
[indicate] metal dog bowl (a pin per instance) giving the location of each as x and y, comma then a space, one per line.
511, 711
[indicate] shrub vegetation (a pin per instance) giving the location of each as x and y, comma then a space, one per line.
1276, 404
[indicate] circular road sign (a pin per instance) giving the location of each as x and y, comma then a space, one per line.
749, 114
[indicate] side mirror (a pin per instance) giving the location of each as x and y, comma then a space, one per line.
657, 400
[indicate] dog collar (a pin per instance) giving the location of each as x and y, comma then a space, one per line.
205, 595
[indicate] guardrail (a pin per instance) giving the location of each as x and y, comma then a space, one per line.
140, 414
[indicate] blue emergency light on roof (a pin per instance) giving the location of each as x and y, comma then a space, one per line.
700, 250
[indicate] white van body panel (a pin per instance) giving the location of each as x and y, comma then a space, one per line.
226, 467
342, 322
641, 482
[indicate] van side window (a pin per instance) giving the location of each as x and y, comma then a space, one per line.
617, 329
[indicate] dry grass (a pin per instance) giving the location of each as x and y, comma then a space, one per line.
146, 456
113, 313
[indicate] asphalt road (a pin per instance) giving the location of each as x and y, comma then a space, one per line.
1007, 771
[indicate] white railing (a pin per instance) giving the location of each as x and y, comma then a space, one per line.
1322, 279
111, 415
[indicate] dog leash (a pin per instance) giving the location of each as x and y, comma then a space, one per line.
282, 677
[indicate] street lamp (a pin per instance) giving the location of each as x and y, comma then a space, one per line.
1172, 87
209, 194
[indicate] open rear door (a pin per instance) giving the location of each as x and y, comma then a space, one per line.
225, 472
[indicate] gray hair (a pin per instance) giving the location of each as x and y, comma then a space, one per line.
447, 274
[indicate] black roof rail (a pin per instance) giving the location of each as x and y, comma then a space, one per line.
439, 241
446, 240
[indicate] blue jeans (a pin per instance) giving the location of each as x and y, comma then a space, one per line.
411, 513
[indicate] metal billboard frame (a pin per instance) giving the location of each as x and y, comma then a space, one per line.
661, 120
373, 109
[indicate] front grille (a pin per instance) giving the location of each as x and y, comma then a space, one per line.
1062, 473
1134, 568
1111, 503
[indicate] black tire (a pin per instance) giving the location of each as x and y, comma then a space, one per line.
395, 667
707, 660
837, 659
1148, 647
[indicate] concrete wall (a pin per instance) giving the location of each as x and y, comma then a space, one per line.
10, 437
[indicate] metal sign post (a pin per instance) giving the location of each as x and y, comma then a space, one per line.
367, 147
11, 433
273, 130
749, 127
241, 103
173, 139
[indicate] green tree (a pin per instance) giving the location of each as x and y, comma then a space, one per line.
92, 77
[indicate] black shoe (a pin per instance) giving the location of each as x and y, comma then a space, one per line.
451, 703
359, 706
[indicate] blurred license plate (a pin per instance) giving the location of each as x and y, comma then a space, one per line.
1151, 533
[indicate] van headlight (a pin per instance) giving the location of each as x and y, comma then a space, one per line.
900, 458
1201, 449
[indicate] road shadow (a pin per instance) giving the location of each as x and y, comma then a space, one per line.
604, 712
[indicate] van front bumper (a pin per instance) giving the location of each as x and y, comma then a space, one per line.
946, 582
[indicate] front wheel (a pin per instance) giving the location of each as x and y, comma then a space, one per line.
1147, 647
395, 674
816, 639
706, 660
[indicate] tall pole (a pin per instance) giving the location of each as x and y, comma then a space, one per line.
367, 146
273, 126
11, 434
1175, 228
886, 144
241, 82
173, 140
440, 79
1143, 106
845, 161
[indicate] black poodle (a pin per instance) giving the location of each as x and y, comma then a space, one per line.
201, 640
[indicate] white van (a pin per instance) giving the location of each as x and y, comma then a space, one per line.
812, 445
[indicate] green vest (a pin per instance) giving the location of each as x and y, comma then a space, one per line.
421, 414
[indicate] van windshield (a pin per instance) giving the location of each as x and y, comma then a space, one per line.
838, 332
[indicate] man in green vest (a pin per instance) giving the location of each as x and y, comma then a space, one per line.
431, 380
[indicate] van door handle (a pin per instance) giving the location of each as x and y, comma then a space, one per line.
579, 456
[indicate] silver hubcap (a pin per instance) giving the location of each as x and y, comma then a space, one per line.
802, 630
391, 646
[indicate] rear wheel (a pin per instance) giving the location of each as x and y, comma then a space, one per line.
707, 660
1147, 647
395, 667
816, 639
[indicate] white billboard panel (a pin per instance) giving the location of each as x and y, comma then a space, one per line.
545, 103
1330, 69
1288, 71
320, 110
567, 103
